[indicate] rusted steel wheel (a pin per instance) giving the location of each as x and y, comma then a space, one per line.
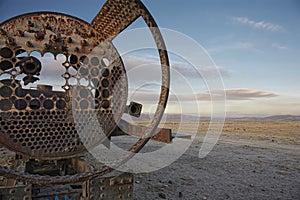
39, 123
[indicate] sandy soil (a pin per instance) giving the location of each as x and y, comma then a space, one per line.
251, 161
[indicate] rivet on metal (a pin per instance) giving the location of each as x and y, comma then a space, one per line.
77, 50
69, 40
29, 44
10, 41
84, 43
39, 36
2, 32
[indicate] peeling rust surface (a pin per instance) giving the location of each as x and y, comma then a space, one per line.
40, 122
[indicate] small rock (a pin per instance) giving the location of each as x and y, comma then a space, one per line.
180, 194
138, 182
251, 185
162, 195
204, 198
170, 182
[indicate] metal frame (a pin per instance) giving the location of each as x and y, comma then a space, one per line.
113, 18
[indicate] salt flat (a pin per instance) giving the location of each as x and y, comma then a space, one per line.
252, 160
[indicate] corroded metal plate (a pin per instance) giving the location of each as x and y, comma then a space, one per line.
41, 122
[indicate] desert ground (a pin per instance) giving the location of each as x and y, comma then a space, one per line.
252, 160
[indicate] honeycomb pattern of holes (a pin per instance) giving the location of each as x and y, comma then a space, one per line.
77, 98
6, 91
72, 71
72, 81
6, 52
73, 59
105, 72
21, 53
27, 98
83, 71
94, 71
84, 60
95, 61
2, 123
48, 104
84, 104
105, 83
92, 92
26, 139
20, 104
105, 93
35, 94
5, 105
14, 60
6, 65
105, 104
84, 82
95, 82
84, 93
105, 62
34, 104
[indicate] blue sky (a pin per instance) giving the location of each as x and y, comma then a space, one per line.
257, 43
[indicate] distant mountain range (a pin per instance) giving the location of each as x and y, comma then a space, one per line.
192, 118
274, 118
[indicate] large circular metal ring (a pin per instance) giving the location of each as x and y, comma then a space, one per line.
114, 17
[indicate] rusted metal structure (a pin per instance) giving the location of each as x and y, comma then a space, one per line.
39, 133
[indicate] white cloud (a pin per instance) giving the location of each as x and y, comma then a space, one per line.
279, 47
258, 24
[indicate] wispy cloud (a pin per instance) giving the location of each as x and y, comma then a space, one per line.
258, 24
279, 46
231, 94
183, 68
246, 94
